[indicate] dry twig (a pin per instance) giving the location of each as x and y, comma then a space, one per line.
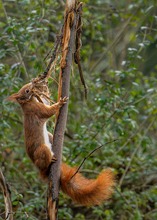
7, 200
109, 142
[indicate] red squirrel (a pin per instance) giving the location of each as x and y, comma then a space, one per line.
39, 147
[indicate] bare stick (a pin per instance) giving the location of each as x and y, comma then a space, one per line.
109, 142
58, 138
6, 194
46, 73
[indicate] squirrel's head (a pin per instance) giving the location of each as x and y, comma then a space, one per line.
23, 95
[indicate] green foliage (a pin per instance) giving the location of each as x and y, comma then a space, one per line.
119, 64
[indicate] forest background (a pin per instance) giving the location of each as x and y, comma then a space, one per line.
119, 50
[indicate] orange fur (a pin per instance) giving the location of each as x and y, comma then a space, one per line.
87, 191
36, 115
38, 146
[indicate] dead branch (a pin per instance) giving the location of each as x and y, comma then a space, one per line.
46, 73
7, 200
78, 44
109, 142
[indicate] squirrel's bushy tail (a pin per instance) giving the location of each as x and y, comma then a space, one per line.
87, 191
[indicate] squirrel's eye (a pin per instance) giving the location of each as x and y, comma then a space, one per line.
27, 90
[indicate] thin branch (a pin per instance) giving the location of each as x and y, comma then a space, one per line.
109, 142
126, 201
46, 73
134, 153
7, 200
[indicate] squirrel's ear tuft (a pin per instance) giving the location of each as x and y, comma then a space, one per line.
12, 98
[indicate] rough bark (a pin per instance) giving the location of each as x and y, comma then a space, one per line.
54, 177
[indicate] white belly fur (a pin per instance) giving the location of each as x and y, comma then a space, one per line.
46, 137
45, 132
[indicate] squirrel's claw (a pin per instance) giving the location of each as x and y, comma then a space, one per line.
54, 159
63, 100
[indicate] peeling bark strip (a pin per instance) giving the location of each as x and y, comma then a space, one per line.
68, 23
6, 194
70, 5
78, 44
68, 42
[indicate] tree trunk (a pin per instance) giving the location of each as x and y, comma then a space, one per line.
58, 138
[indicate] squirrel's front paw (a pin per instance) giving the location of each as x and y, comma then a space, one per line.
64, 100
54, 159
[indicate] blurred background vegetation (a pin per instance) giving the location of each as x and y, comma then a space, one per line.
120, 67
